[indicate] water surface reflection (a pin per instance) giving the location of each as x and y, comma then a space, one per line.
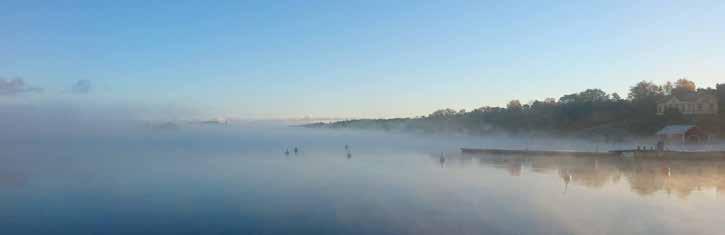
645, 176
244, 183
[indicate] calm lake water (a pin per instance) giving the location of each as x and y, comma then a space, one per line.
223, 180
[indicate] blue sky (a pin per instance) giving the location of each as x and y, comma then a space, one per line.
270, 59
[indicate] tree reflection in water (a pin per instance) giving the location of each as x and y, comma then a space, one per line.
645, 176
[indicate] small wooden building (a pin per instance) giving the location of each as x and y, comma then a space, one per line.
682, 134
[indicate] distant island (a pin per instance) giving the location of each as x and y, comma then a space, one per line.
591, 113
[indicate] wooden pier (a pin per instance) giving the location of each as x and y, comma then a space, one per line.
622, 153
532, 152
670, 154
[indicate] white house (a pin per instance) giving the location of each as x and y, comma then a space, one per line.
690, 105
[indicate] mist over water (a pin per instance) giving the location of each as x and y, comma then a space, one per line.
366, 117
236, 179
76, 171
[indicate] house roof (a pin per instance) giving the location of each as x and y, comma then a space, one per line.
675, 129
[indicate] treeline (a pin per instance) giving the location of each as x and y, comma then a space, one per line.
591, 112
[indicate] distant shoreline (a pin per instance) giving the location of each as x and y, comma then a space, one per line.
591, 113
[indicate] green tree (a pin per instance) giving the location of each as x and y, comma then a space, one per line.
616, 97
594, 95
645, 91
514, 105
443, 113
683, 87
587, 96
667, 88
720, 91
